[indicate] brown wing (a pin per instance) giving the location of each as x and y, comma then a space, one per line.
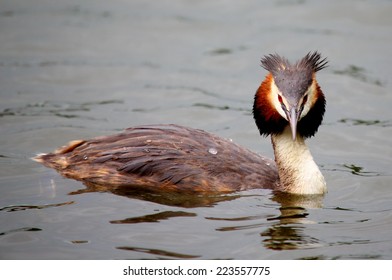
163, 157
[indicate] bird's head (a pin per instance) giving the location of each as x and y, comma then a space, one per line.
290, 95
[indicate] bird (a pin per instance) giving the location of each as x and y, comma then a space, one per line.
288, 106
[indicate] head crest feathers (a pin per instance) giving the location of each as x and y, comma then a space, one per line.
312, 61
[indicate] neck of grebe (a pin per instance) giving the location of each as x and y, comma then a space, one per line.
298, 173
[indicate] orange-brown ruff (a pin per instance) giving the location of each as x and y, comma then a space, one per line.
177, 158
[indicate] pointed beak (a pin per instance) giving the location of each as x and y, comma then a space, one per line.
292, 115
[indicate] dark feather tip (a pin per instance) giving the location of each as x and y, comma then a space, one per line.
275, 63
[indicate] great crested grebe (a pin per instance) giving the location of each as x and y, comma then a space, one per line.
289, 105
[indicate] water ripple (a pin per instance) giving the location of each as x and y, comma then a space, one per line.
29, 207
19, 230
158, 252
154, 218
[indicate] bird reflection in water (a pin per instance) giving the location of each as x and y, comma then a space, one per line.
288, 233
284, 231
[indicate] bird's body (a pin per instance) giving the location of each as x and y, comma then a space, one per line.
164, 157
289, 106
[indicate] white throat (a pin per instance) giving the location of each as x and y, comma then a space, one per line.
298, 172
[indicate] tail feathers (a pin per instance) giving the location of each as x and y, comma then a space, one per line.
52, 160
69, 147
56, 159
39, 157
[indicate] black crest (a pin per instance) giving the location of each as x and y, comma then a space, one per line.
275, 63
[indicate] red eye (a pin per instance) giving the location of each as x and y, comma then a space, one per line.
304, 99
280, 99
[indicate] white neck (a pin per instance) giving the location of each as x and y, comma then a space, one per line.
298, 172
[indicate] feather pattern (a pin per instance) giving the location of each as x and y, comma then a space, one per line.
167, 157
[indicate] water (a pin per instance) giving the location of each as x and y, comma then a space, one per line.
73, 70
